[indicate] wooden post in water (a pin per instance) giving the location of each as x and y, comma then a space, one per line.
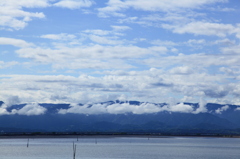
74, 150
28, 142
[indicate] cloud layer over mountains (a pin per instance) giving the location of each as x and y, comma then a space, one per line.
111, 107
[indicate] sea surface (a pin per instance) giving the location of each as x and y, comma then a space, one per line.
121, 148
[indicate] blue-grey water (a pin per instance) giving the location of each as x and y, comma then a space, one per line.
121, 148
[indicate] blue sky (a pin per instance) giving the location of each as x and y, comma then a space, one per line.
81, 51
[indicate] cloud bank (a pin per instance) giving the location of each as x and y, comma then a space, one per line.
125, 108
29, 110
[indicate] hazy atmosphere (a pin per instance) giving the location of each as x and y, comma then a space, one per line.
89, 51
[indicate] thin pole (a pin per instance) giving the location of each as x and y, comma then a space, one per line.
28, 142
74, 150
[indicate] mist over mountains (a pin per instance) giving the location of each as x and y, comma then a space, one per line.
121, 116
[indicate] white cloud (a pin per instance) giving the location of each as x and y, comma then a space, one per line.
120, 28
232, 50
237, 30
182, 108
76, 109
123, 108
201, 60
96, 56
74, 4
105, 40
117, 31
25, 3
98, 32
7, 64
3, 110
223, 9
109, 37
194, 41
202, 28
31, 109
225, 41
135, 109
164, 43
13, 14
227, 70
217, 92
148, 85
115, 6
62, 36
185, 70
220, 110
202, 107
14, 42
11, 100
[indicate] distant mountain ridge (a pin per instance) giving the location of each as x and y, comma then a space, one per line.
218, 119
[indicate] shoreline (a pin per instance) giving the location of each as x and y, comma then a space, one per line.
79, 136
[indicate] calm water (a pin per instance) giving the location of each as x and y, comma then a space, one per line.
122, 148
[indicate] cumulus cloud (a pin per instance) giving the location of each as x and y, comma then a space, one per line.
194, 42
182, 70
228, 71
202, 107
232, 50
202, 60
62, 36
85, 109
30, 109
183, 108
7, 64
96, 56
238, 108
120, 28
135, 109
105, 40
3, 110
74, 4
109, 37
115, 6
105, 51
14, 42
14, 16
220, 110
10, 100
202, 28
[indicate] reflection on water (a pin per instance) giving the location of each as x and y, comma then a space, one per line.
121, 147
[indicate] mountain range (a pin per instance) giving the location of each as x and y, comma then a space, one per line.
47, 117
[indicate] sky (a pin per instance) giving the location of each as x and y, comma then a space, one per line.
89, 51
